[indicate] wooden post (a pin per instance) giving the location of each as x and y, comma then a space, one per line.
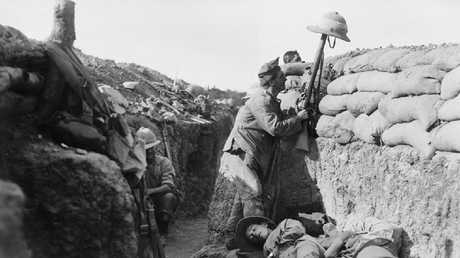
64, 23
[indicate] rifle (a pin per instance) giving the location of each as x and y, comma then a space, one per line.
332, 25
310, 100
148, 228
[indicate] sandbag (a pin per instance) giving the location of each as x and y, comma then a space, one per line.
387, 61
450, 110
339, 128
370, 128
346, 84
413, 134
12, 104
297, 68
340, 65
34, 84
325, 126
418, 80
445, 137
363, 102
375, 81
10, 76
19, 51
332, 105
74, 132
364, 62
362, 129
450, 86
447, 58
412, 59
407, 109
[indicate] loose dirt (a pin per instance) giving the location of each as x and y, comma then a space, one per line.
186, 236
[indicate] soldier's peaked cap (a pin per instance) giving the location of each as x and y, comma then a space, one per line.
269, 67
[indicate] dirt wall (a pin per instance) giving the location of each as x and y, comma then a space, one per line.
77, 202
12, 242
394, 184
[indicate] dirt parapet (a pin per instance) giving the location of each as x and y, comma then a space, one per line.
78, 204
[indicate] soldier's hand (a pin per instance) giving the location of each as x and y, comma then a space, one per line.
303, 114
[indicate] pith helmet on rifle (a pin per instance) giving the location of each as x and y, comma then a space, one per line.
332, 24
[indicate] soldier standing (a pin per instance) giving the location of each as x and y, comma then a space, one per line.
250, 148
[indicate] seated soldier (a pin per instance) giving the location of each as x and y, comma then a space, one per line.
291, 238
159, 177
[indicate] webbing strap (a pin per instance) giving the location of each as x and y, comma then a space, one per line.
329, 42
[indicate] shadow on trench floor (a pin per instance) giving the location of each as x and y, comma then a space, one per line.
186, 236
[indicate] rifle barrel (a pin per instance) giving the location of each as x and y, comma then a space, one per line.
319, 53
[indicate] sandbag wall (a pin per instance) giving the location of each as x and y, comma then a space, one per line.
396, 96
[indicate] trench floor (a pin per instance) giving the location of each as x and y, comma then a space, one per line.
186, 236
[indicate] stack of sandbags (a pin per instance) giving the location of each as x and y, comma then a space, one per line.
20, 82
18, 91
19, 51
294, 73
446, 136
397, 96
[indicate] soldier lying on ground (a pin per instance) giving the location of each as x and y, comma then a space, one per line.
160, 186
369, 238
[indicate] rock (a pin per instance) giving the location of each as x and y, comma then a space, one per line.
12, 242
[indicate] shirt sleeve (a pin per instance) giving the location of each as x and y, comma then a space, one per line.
167, 172
268, 116
291, 230
288, 231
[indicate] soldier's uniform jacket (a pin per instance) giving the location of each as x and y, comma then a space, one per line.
257, 124
160, 171
289, 239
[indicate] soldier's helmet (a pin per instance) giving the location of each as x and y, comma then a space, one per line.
149, 138
332, 24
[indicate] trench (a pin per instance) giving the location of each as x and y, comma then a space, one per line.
60, 201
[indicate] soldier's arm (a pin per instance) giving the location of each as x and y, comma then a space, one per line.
167, 177
269, 118
337, 242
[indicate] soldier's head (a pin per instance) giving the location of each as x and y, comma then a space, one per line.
291, 56
258, 233
271, 77
251, 232
148, 137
